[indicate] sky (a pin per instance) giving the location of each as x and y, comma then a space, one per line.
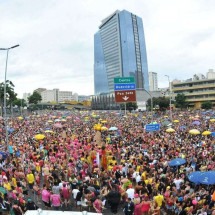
56, 39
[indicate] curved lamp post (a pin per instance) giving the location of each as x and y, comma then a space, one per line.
5, 80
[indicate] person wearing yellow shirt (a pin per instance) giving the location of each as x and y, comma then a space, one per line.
7, 185
143, 176
110, 167
30, 180
159, 199
14, 182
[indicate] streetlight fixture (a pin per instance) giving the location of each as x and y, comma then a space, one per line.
5, 101
170, 99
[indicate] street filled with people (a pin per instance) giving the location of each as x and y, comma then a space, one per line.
107, 162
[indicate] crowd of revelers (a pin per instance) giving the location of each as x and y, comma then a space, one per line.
105, 162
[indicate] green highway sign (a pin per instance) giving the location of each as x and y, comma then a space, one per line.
124, 80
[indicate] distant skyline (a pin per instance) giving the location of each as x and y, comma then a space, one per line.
56, 40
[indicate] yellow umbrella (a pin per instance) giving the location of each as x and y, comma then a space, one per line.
103, 121
180, 115
143, 117
194, 131
176, 120
50, 121
165, 116
39, 136
63, 120
49, 131
212, 120
20, 118
103, 128
170, 130
205, 133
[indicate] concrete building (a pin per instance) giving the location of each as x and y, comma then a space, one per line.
120, 51
153, 81
58, 96
196, 92
211, 74
25, 96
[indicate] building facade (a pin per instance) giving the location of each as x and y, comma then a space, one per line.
196, 92
25, 96
120, 51
153, 81
57, 96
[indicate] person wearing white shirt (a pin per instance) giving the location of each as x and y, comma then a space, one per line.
130, 192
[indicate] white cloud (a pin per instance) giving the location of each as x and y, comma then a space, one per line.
56, 39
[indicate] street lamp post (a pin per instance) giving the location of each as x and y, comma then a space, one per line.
5, 96
170, 99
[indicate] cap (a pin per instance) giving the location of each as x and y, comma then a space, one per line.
168, 188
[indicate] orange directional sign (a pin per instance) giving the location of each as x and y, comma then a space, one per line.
125, 96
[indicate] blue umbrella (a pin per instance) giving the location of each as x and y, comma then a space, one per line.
177, 162
196, 123
213, 134
207, 178
194, 177
183, 127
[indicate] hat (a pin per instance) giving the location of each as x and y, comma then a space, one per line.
29, 200
168, 188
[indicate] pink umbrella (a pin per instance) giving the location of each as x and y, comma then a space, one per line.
69, 117
58, 125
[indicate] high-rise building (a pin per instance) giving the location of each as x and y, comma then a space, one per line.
120, 51
153, 81
211, 74
25, 96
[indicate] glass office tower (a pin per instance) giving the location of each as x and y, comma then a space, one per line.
120, 51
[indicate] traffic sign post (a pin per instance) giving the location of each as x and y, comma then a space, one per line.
152, 127
125, 89
125, 96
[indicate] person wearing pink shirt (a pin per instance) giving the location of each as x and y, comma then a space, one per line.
46, 197
55, 201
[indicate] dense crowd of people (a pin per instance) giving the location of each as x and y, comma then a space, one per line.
105, 161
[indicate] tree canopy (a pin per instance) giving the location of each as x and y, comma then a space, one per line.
161, 102
34, 98
207, 105
180, 101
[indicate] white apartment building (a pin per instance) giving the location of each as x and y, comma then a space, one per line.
25, 96
153, 81
57, 96
211, 74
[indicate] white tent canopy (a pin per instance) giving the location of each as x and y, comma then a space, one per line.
49, 212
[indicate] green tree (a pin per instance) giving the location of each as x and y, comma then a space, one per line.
34, 98
161, 102
207, 105
129, 106
19, 102
180, 101
10, 94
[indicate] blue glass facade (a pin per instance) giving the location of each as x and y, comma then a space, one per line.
120, 51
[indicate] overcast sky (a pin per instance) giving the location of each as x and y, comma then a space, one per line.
56, 40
